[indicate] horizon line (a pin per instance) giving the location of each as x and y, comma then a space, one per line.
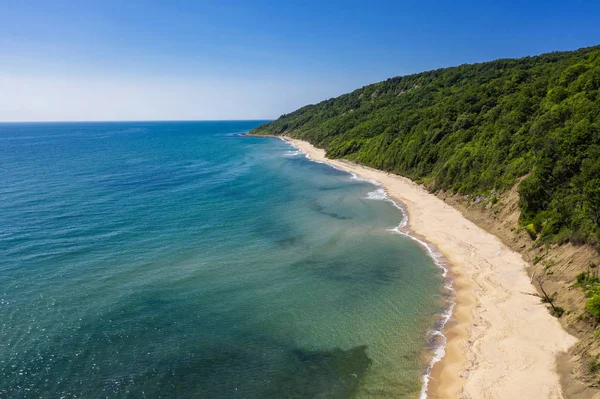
147, 120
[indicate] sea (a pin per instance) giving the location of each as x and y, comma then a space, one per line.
187, 260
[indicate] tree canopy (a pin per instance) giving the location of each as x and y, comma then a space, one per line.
478, 128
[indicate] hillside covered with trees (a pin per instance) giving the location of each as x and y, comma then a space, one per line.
479, 129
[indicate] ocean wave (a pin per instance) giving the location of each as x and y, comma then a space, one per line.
379, 195
437, 338
438, 345
354, 176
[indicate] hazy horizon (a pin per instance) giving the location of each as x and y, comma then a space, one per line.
142, 121
203, 61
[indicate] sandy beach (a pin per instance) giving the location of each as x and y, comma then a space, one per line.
501, 340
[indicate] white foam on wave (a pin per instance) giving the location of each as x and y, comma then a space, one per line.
292, 153
354, 176
437, 334
439, 350
379, 195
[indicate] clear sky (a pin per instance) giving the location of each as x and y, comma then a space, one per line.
161, 60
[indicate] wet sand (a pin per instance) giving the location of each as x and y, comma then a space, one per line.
501, 340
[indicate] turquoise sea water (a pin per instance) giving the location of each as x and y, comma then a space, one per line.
180, 259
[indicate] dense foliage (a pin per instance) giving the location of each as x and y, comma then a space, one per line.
480, 128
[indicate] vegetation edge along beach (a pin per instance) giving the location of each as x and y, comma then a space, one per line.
514, 145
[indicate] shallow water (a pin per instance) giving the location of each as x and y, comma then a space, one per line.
180, 259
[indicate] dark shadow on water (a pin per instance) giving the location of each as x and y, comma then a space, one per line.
151, 347
334, 188
324, 374
280, 232
351, 271
289, 241
235, 372
322, 210
242, 374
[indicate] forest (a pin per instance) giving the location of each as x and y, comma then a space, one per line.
480, 129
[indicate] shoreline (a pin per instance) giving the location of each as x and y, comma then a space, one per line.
498, 335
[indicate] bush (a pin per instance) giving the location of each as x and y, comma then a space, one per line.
592, 305
530, 229
557, 311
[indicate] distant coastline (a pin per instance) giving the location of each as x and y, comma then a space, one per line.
499, 336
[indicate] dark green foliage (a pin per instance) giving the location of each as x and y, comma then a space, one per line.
591, 283
586, 280
476, 128
557, 311
593, 304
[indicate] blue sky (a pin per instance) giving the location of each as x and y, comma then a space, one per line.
155, 60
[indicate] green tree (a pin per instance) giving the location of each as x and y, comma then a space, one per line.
476, 128
592, 196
